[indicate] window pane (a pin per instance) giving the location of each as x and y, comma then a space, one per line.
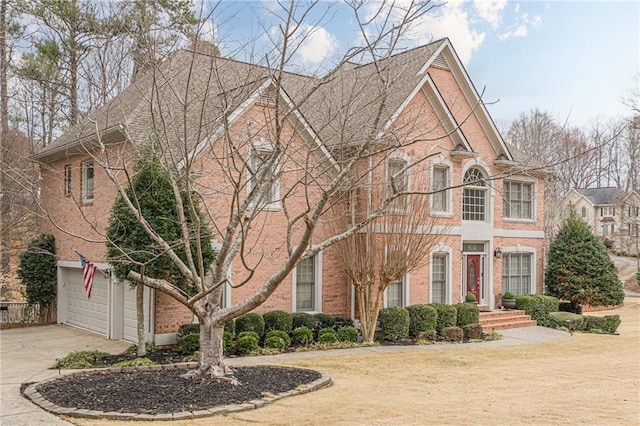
397, 181
439, 279
394, 294
516, 273
87, 181
305, 285
517, 200
259, 159
473, 204
440, 181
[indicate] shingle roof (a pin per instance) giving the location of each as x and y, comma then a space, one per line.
602, 196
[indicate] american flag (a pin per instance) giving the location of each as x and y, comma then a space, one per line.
88, 271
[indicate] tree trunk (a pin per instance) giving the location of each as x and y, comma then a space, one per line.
142, 350
211, 361
5, 237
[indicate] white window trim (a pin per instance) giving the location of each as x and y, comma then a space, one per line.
441, 249
318, 286
534, 199
527, 250
85, 197
262, 145
442, 162
406, 280
226, 290
489, 191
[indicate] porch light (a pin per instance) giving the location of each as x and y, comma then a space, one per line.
497, 253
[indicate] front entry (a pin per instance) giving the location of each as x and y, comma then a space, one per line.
473, 275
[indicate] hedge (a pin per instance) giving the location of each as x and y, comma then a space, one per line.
277, 320
447, 315
421, 318
247, 342
394, 323
347, 334
472, 331
468, 313
252, 321
327, 335
452, 334
566, 319
302, 336
277, 339
302, 319
538, 306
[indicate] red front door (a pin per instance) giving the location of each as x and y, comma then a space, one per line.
473, 275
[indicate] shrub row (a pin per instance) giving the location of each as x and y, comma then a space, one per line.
538, 307
262, 324
248, 341
412, 321
606, 324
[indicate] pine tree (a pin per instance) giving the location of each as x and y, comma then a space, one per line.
579, 269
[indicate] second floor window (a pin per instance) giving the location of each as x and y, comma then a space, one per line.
397, 181
474, 196
67, 179
87, 181
440, 199
517, 200
607, 211
261, 165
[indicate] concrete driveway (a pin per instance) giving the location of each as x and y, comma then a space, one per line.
26, 354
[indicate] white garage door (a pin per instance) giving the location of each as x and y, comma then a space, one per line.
92, 314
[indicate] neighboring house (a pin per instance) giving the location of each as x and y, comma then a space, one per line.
492, 229
612, 214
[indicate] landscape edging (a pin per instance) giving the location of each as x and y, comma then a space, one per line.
32, 393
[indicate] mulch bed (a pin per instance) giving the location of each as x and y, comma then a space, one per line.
164, 391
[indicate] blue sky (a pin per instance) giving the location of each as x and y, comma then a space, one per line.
574, 59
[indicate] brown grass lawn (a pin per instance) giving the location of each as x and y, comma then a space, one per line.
585, 379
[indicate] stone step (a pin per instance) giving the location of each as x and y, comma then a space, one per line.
504, 319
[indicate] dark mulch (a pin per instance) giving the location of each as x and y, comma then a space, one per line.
164, 391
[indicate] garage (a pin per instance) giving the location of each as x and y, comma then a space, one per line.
111, 311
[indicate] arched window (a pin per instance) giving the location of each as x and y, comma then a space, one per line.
474, 196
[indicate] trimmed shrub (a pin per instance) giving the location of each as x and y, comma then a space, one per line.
247, 342
277, 339
252, 321
323, 321
136, 362
568, 307
189, 343
430, 335
190, 328
470, 298
302, 319
342, 322
227, 340
447, 315
347, 333
565, 319
472, 331
230, 326
452, 334
611, 323
592, 323
467, 313
277, 320
302, 336
537, 306
327, 335
421, 318
394, 323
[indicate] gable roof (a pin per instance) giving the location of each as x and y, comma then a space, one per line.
602, 196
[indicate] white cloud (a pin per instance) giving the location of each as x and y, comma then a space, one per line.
521, 28
519, 31
490, 10
517, 8
318, 43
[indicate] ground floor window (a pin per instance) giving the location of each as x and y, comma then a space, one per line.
516, 273
395, 296
306, 285
439, 278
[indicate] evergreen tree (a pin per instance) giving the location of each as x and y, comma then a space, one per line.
37, 270
130, 246
579, 269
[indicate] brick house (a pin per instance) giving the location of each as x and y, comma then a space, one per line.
491, 238
612, 213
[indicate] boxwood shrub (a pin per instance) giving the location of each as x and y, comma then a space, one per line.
593, 323
394, 323
327, 335
277, 339
472, 331
252, 321
230, 326
447, 315
347, 333
247, 342
277, 320
452, 334
189, 343
538, 306
611, 323
302, 319
421, 318
565, 319
468, 313
323, 321
189, 328
227, 340
302, 336
342, 322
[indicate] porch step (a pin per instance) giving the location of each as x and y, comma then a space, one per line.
504, 319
